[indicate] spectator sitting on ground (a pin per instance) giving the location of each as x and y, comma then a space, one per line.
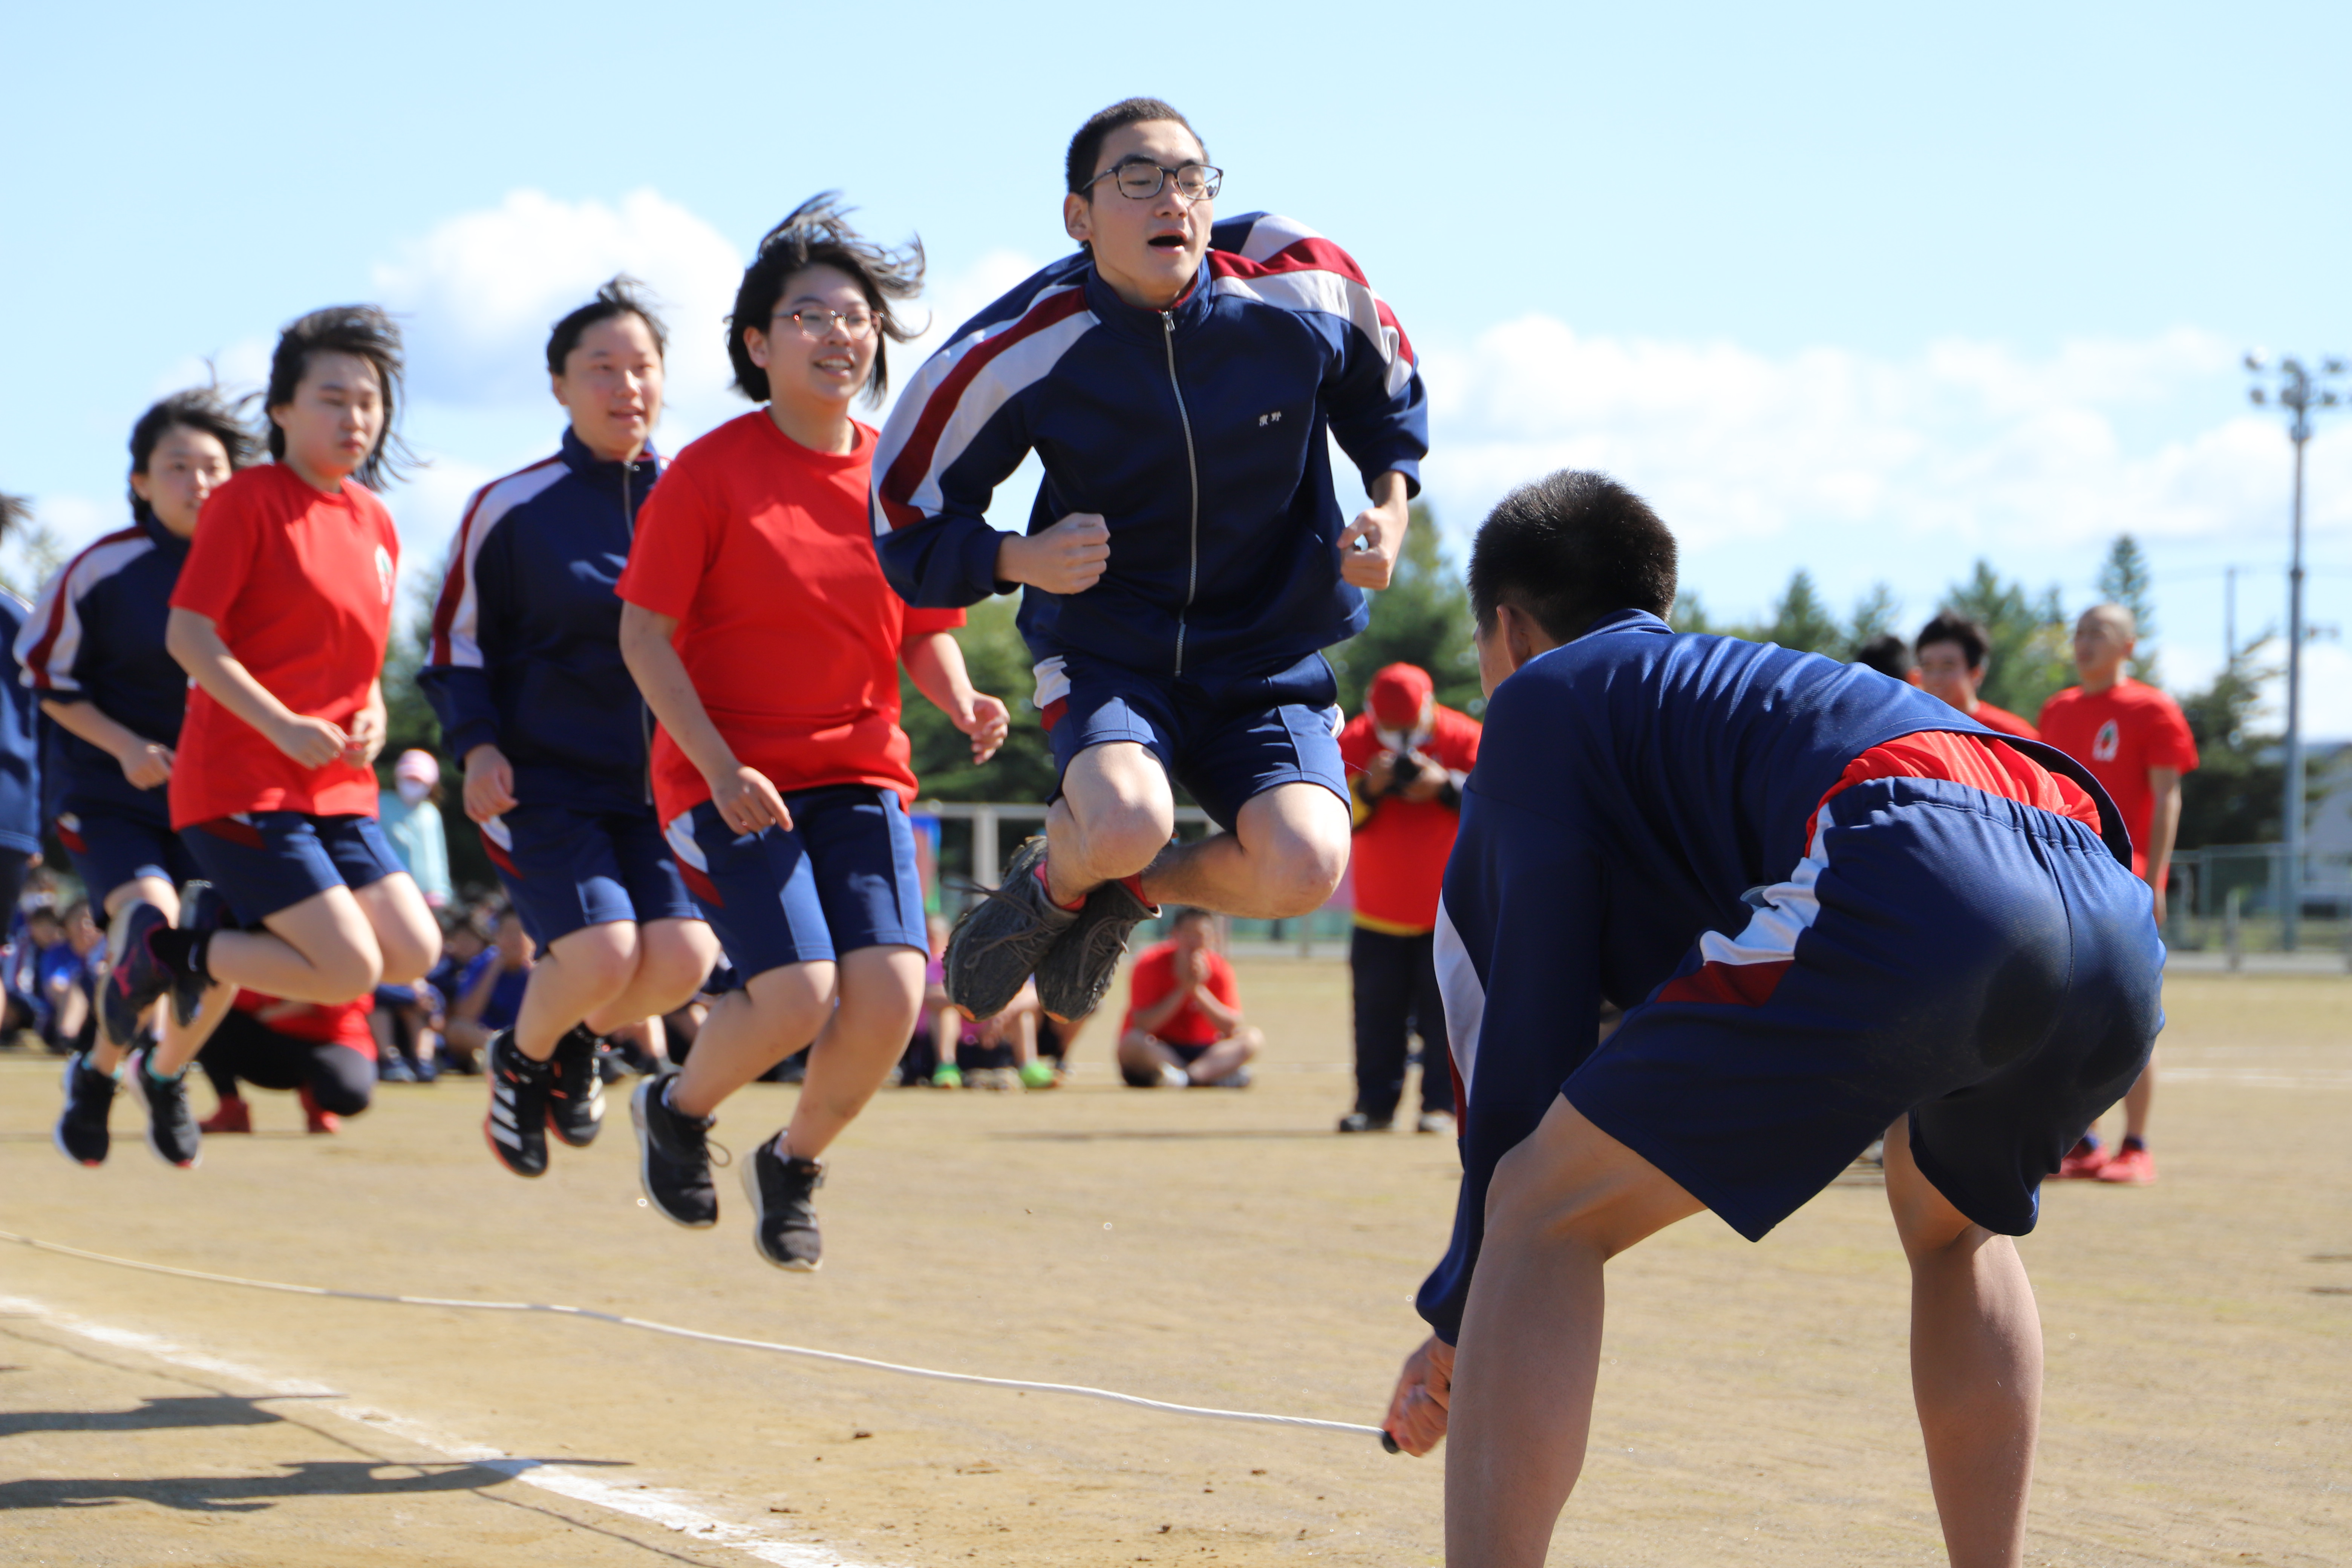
1952, 650
327, 1055
42, 955
490, 995
1184, 1026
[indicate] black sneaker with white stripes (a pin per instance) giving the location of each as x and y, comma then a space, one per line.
575, 1109
516, 1127
172, 1130
674, 1157
784, 1211
81, 1134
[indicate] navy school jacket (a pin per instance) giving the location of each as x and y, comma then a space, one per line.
1631, 786
1197, 433
96, 636
20, 761
526, 649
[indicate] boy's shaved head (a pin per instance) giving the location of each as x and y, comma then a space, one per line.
1570, 549
2119, 620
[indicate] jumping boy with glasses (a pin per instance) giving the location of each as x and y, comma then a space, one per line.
1187, 558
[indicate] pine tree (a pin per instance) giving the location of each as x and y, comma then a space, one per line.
2123, 579
2031, 655
1874, 615
1421, 617
1801, 621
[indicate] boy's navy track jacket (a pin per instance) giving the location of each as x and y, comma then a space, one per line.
1197, 433
1631, 786
96, 636
20, 761
526, 652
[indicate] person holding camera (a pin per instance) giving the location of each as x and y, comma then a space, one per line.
1406, 757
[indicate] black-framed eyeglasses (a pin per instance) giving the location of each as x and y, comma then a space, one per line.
1140, 180
815, 322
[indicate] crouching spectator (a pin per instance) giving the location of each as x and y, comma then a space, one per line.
1184, 1025
489, 997
325, 1054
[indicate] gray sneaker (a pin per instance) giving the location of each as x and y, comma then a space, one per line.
674, 1158
783, 1213
1078, 970
1002, 940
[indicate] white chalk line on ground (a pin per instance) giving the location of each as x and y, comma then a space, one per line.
2257, 1078
671, 1509
837, 1358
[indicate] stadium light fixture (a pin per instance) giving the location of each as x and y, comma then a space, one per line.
2298, 391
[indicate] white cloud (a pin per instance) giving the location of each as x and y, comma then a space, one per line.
1968, 440
479, 292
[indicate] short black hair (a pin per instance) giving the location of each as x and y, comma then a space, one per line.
1950, 626
199, 408
1184, 914
365, 331
618, 297
817, 233
15, 511
1885, 653
1086, 147
1569, 549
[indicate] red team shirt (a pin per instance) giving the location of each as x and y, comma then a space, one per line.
1401, 846
763, 552
346, 1025
1154, 981
2119, 734
300, 584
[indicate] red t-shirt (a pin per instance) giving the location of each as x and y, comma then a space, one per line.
1969, 760
1401, 846
2119, 734
1154, 980
2003, 720
341, 1026
299, 585
763, 552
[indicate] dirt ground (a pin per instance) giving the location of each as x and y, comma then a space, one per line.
1212, 1248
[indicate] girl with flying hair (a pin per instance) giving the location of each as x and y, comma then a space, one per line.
281, 618
758, 625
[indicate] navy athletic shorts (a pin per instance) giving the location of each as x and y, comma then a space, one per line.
110, 849
1226, 741
1986, 967
566, 869
265, 861
842, 878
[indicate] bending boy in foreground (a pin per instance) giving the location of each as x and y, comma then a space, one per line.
1834, 908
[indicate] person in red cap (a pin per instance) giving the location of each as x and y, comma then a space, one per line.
1406, 757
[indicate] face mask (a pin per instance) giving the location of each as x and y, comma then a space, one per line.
412, 791
1399, 741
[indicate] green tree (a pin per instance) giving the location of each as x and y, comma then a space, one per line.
2123, 580
2232, 796
998, 660
1802, 620
1421, 617
1874, 615
2031, 655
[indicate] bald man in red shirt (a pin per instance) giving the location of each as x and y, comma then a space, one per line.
2136, 743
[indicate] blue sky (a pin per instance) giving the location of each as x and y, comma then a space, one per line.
1869, 289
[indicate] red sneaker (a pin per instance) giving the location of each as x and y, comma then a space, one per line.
2130, 1167
234, 1116
2083, 1162
313, 1118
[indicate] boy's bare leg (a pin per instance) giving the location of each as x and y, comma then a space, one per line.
1975, 1366
2138, 1100
1285, 856
1561, 1205
1115, 814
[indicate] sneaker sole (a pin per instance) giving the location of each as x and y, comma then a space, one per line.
58, 1129
760, 1217
645, 1161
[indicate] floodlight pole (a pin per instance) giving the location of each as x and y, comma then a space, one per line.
2298, 396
